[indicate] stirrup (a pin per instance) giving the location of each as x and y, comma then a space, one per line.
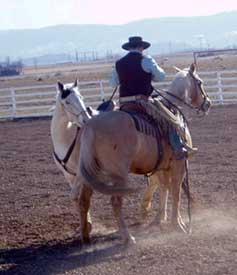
185, 152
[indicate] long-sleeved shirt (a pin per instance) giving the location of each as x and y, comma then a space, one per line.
149, 65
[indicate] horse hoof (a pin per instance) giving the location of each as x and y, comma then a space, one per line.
155, 223
144, 215
77, 234
130, 241
86, 240
89, 227
145, 210
181, 228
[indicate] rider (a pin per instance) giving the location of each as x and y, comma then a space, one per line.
134, 73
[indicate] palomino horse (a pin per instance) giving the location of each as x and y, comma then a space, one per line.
185, 90
111, 147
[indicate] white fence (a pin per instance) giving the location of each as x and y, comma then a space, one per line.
37, 101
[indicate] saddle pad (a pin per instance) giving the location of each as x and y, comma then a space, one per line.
148, 126
144, 123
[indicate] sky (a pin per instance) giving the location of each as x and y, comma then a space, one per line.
19, 14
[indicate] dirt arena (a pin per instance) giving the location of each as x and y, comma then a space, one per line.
37, 219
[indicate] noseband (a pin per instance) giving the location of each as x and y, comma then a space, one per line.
77, 115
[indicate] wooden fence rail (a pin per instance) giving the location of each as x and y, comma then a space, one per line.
37, 101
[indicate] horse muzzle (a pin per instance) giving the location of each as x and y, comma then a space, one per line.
206, 105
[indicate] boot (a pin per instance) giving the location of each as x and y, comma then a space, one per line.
185, 152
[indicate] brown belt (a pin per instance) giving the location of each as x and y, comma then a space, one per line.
133, 98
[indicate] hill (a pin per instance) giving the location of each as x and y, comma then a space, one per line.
168, 34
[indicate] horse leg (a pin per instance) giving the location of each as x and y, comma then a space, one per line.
177, 176
81, 196
117, 202
162, 213
164, 179
150, 190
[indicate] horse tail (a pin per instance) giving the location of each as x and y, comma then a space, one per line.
93, 173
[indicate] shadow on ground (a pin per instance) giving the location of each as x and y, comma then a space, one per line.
53, 258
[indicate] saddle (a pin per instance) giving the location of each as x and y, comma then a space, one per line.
133, 107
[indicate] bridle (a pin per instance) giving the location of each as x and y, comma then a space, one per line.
198, 85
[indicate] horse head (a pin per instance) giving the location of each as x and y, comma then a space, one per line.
72, 102
188, 86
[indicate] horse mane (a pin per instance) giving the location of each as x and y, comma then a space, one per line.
177, 85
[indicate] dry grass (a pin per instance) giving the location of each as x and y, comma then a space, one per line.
96, 71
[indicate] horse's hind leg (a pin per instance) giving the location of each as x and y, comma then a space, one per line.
117, 202
81, 197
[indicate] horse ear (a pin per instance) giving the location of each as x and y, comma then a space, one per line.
76, 83
60, 86
192, 68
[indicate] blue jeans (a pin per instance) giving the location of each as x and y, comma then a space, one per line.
175, 140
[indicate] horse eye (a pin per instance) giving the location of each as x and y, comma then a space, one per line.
67, 102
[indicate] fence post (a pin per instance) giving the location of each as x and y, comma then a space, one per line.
13, 103
220, 91
102, 92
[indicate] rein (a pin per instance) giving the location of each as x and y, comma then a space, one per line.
63, 162
114, 91
197, 83
172, 104
174, 96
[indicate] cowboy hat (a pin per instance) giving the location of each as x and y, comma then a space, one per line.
134, 42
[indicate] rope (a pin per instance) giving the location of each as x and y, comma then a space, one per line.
186, 186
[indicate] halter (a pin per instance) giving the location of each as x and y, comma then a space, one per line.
63, 162
79, 114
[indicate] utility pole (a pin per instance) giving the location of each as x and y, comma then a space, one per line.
76, 55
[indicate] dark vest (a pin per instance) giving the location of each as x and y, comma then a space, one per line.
132, 78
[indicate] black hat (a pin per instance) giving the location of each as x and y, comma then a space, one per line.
134, 42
